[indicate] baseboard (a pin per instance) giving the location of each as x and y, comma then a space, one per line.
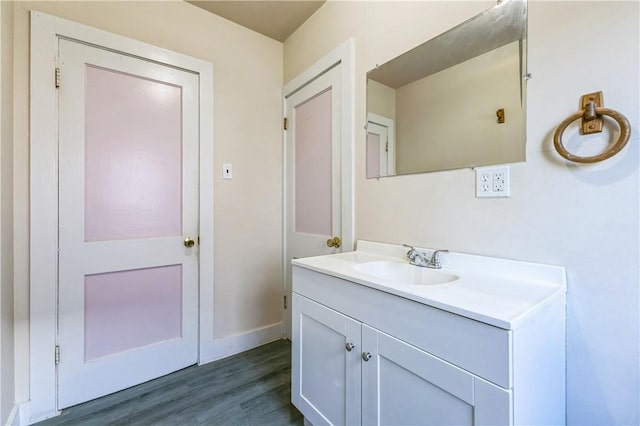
23, 417
20, 415
231, 345
13, 418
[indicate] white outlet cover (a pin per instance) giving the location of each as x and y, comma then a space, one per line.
493, 182
227, 171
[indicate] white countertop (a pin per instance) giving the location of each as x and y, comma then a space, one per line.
495, 291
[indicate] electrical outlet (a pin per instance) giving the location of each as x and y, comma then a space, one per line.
492, 182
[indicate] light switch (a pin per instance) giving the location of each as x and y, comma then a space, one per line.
227, 171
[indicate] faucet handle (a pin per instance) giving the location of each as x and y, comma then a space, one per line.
410, 253
435, 252
435, 259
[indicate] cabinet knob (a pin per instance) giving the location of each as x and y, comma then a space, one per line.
366, 356
349, 346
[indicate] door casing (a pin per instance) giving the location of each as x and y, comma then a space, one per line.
46, 30
344, 56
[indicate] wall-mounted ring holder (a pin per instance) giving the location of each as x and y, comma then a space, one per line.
592, 122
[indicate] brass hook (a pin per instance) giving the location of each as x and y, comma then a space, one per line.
591, 123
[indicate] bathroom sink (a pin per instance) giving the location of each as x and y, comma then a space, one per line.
404, 273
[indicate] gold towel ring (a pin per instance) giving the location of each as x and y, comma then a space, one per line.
625, 133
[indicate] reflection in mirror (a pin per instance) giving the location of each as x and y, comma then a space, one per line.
453, 102
380, 146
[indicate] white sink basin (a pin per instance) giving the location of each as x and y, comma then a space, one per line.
404, 273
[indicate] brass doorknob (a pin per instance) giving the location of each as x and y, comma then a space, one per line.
334, 242
189, 242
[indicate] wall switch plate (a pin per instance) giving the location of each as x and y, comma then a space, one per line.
492, 182
227, 171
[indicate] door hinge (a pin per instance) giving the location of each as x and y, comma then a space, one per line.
57, 356
57, 77
285, 302
386, 148
285, 123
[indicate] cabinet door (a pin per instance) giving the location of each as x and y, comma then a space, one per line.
326, 376
402, 385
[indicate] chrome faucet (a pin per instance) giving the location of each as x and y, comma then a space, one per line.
420, 258
417, 257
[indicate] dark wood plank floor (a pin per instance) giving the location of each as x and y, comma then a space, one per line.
251, 388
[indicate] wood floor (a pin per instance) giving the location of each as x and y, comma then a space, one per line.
251, 388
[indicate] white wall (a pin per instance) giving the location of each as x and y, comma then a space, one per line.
247, 110
583, 217
6, 212
381, 100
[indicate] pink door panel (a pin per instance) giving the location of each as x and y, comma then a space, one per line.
128, 309
373, 155
313, 166
133, 157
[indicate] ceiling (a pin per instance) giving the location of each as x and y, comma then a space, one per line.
275, 19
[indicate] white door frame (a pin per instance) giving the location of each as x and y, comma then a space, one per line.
46, 30
390, 163
344, 56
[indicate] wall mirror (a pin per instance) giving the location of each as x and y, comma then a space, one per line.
453, 102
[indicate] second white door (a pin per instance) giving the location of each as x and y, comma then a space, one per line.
128, 221
313, 171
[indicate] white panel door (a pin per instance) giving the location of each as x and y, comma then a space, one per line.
325, 376
314, 166
403, 385
128, 200
313, 170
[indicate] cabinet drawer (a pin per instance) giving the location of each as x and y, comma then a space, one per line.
479, 348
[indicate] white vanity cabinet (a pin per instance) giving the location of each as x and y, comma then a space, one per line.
344, 369
365, 356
